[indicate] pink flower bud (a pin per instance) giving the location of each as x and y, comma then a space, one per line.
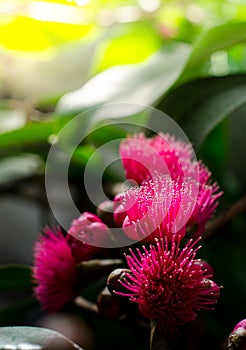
109, 306
241, 324
237, 338
206, 268
86, 236
119, 210
210, 289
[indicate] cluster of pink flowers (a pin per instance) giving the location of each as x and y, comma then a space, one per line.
173, 200
56, 257
171, 183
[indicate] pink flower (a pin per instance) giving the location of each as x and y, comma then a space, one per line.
159, 205
168, 284
206, 201
206, 204
88, 228
54, 270
142, 156
119, 211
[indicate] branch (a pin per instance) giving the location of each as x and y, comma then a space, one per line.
216, 224
86, 305
158, 340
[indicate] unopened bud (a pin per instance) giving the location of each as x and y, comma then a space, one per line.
88, 228
241, 324
109, 306
237, 338
119, 213
206, 268
113, 282
212, 287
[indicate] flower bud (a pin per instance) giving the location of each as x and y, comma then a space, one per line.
113, 281
206, 268
237, 338
87, 228
109, 306
119, 213
211, 289
241, 324
105, 212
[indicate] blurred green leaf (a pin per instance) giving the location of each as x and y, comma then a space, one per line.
13, 168
140, 84
215, 151
200, 105
33, 132
215, 39
33, 338
83, 153
127, 43
15, 277
17, 312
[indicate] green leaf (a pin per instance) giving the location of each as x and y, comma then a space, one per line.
217, 38
201, 105
139, 38
15, 277
140, 84
33, 132
33, 338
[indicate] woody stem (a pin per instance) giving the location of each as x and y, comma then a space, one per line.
218, 223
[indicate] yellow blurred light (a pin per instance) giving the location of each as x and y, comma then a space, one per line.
127, 14
149, 5
82, 2
124, 14
49, 12
195, 14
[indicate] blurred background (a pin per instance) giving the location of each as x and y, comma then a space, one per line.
58, 58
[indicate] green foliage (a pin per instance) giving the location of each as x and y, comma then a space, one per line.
215, 39
18, 312
128, 43
15, 277
139, 84
213, 99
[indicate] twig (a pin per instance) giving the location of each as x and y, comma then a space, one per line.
86, 305
158, 340
221, 220
152, 331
